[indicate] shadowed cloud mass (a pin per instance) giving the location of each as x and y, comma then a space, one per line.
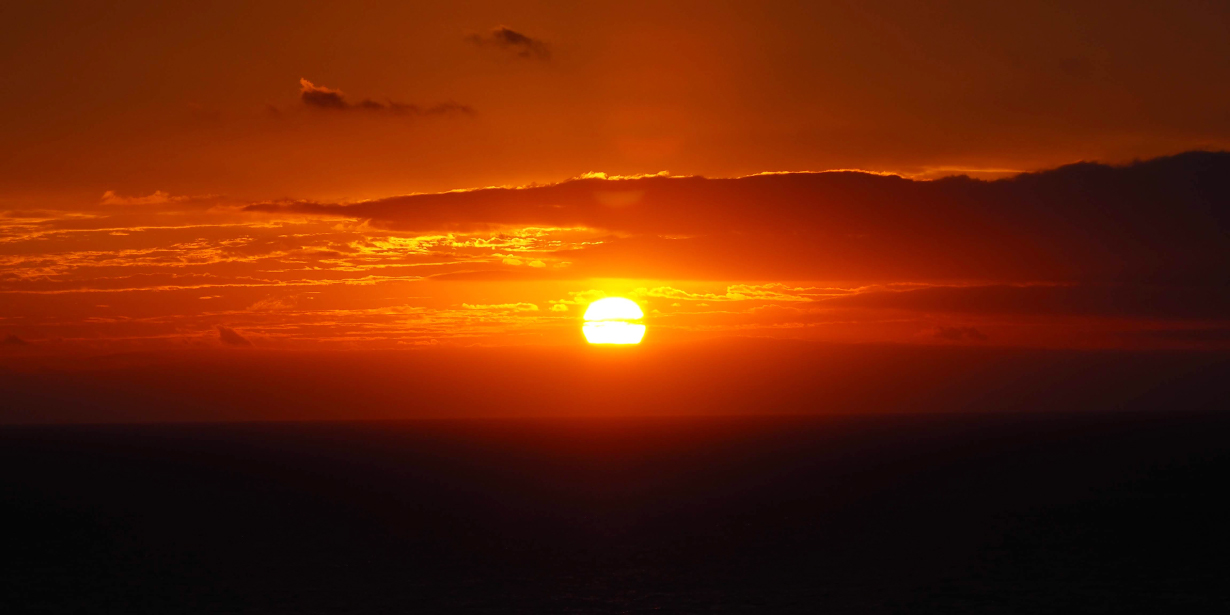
1164, 220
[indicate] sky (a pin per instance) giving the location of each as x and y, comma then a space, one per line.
207, 98
370, 177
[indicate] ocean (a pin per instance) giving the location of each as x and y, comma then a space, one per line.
1099, 512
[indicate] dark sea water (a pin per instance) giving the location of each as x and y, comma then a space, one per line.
1019, 513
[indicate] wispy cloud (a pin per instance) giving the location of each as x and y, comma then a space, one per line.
743, 292
157, 198
503, 307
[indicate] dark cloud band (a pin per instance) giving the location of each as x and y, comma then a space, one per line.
321, 97
1161, 222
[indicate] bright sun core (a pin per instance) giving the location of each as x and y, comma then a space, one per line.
613, 321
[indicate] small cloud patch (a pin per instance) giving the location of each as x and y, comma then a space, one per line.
325, 98
229, 337
320, 96
507, 39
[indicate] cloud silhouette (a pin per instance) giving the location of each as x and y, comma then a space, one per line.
1163, 222
321, 97
229, 337
13, 340
512, 41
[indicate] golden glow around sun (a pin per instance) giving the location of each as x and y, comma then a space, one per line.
612, 321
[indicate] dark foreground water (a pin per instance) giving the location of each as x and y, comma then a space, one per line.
1093, 513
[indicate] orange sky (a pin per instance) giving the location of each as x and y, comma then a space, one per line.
234, 175
194, 99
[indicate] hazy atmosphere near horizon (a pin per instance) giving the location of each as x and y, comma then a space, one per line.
614, 307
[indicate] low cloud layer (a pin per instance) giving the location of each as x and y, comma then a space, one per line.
1164, 221
1082, 256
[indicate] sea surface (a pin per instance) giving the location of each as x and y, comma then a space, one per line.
960, 513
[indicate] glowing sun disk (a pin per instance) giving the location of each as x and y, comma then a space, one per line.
614, 308
607, 321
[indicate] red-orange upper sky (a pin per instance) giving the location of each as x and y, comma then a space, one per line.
277, 174
205, 98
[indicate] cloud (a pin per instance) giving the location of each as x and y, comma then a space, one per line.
118, 205
960, 334
1166, 220
229, 337
1170, 302
273, 304
513, 42
321, 97
578, 298
1148, 240
13, 340
1077, 255
740, 292
157, 198
503, 307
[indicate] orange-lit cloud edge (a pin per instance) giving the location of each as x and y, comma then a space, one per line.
1084, 256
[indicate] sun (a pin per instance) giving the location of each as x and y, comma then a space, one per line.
613, 321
